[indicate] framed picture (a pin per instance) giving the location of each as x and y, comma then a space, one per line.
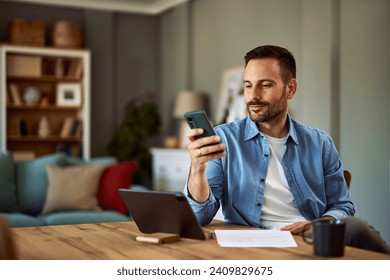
68, 94
231, 104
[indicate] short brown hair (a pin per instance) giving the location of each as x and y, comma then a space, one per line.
283, 56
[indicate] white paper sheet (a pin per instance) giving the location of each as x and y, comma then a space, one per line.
255, 238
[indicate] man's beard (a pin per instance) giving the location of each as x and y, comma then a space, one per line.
270, 112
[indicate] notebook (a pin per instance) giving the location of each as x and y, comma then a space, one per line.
166, 212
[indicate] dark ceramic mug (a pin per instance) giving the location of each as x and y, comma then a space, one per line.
328, 237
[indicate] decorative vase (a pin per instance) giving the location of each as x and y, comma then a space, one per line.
43, 128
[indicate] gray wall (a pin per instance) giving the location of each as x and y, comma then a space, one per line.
343, 57
175, 56
125, 66
365, 106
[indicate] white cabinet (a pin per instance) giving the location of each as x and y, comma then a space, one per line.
170, 169
44, 100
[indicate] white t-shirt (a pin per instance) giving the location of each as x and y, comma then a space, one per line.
279, 208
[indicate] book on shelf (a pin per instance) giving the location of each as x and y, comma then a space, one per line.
71, 126
76, 128
75, 69
15, 94
67, 126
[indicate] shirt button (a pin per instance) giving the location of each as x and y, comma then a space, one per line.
258, 204
266, 155
262, 180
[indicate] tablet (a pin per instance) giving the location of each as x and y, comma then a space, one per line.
166, 212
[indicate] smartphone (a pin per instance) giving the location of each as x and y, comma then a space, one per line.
199, 119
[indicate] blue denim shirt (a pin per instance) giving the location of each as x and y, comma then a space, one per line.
311, 164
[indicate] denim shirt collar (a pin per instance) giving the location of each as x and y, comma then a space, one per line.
251, 130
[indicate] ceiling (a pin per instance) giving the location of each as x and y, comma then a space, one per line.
149, 7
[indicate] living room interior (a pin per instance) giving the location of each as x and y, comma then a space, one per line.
341, 47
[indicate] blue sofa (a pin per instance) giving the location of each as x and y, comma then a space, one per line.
23, 188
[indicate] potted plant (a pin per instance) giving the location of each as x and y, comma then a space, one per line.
129, 142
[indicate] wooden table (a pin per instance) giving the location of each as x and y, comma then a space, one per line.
116, 241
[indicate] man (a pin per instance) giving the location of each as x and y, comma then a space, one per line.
269, 170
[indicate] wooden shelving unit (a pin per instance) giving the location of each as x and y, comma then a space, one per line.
61, 77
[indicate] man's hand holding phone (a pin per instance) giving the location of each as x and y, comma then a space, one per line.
204, 145
203, 140
207, 148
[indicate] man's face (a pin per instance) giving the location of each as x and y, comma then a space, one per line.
265, 94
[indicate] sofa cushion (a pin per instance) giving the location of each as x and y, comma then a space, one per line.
31, 179
22, 220
113, 178
8, 201
83, 217
72, 188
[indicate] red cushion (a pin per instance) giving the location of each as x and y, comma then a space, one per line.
113, 178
